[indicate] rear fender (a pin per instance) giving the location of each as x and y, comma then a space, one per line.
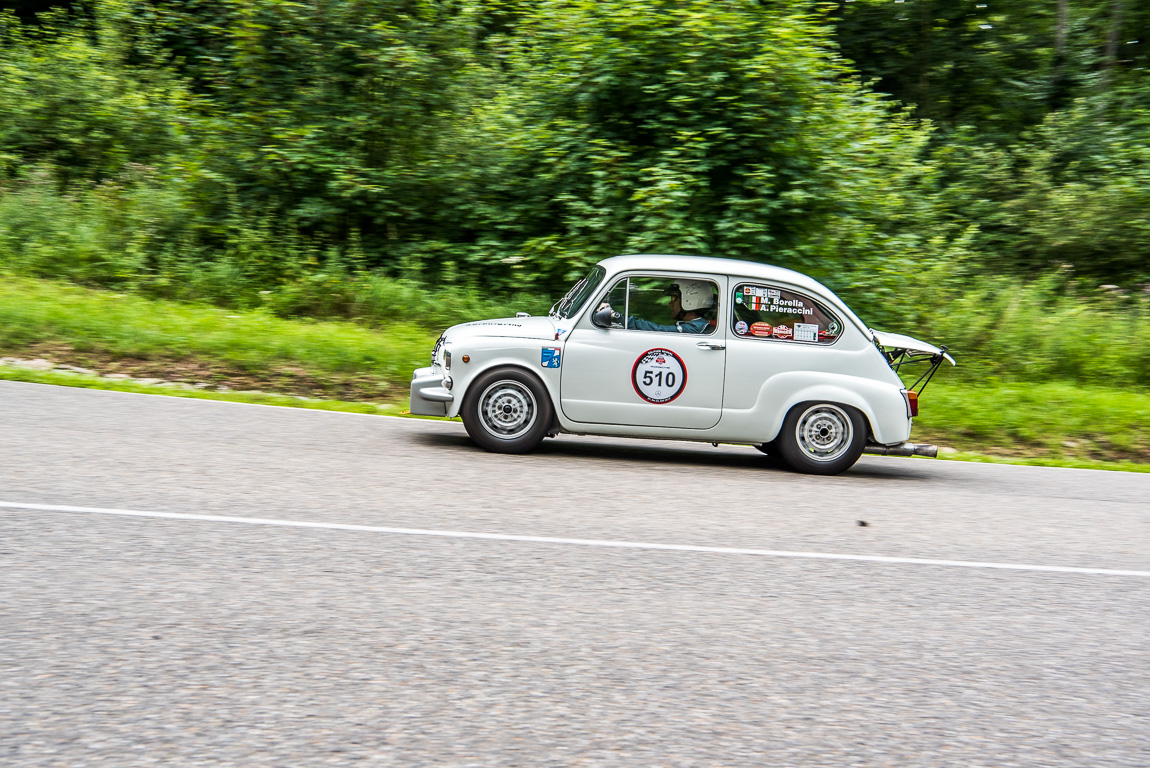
881, 404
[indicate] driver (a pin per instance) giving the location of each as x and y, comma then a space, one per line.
689, 299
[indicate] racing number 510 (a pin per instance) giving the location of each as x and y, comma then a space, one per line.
650, 378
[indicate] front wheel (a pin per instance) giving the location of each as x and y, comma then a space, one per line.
822, 438
507, 411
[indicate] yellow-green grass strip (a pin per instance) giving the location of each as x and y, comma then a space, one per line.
124, 325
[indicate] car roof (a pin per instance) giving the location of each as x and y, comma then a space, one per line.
731, 267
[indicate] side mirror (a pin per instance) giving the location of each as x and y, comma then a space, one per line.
602, 317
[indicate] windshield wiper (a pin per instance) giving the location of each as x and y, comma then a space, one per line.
566, 300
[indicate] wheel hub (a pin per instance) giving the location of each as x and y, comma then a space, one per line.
507, 409
825, 432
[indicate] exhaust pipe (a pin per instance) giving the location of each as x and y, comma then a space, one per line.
903, 449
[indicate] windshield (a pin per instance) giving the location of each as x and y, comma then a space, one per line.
578, 295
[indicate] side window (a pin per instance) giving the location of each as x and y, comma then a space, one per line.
666, 304
763, 311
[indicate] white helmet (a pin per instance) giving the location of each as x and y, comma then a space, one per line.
693, 294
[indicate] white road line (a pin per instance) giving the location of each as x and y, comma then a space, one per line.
577, 542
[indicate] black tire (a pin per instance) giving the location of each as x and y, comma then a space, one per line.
822, 438
507, 410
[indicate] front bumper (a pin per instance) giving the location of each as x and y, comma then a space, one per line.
428, 395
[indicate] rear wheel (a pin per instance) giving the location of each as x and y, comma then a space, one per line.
822, 438
507, 411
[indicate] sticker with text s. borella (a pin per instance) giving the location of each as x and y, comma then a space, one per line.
659, 376
550, 357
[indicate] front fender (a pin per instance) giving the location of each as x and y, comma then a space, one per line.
474, 370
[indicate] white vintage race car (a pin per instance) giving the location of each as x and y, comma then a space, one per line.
685, 348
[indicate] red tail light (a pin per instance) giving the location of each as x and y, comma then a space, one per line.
912, 402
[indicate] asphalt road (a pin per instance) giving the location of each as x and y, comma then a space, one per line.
130, 641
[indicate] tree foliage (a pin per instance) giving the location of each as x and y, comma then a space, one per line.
1000, 68
662, 126
506, 142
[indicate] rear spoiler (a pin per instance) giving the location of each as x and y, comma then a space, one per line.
902, 350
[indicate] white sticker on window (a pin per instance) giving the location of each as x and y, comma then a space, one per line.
806, 332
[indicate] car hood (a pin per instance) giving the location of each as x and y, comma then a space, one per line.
507, 327
896, 341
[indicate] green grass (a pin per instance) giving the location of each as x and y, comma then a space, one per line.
1047, 329
124, 325
1113, 466
1043, 420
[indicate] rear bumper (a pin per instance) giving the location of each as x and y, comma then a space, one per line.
428, 395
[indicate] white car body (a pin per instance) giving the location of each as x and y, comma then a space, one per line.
738, 388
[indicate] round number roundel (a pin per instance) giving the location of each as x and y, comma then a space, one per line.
659, 376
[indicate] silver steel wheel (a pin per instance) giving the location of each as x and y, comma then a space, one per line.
824, 432
507, 409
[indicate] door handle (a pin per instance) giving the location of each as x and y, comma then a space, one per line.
711, 345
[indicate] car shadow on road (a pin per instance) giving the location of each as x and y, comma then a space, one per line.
745, 459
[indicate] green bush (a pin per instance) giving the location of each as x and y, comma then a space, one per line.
69, 98
1074, 192
727, 129
1049, 328
106, 234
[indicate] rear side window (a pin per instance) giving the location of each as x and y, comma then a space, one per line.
766, 312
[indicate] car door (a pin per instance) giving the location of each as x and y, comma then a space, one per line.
777, 332
647, 375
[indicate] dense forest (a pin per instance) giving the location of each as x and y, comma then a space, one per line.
910, 153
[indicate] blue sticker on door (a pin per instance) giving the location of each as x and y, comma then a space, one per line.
550, 357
